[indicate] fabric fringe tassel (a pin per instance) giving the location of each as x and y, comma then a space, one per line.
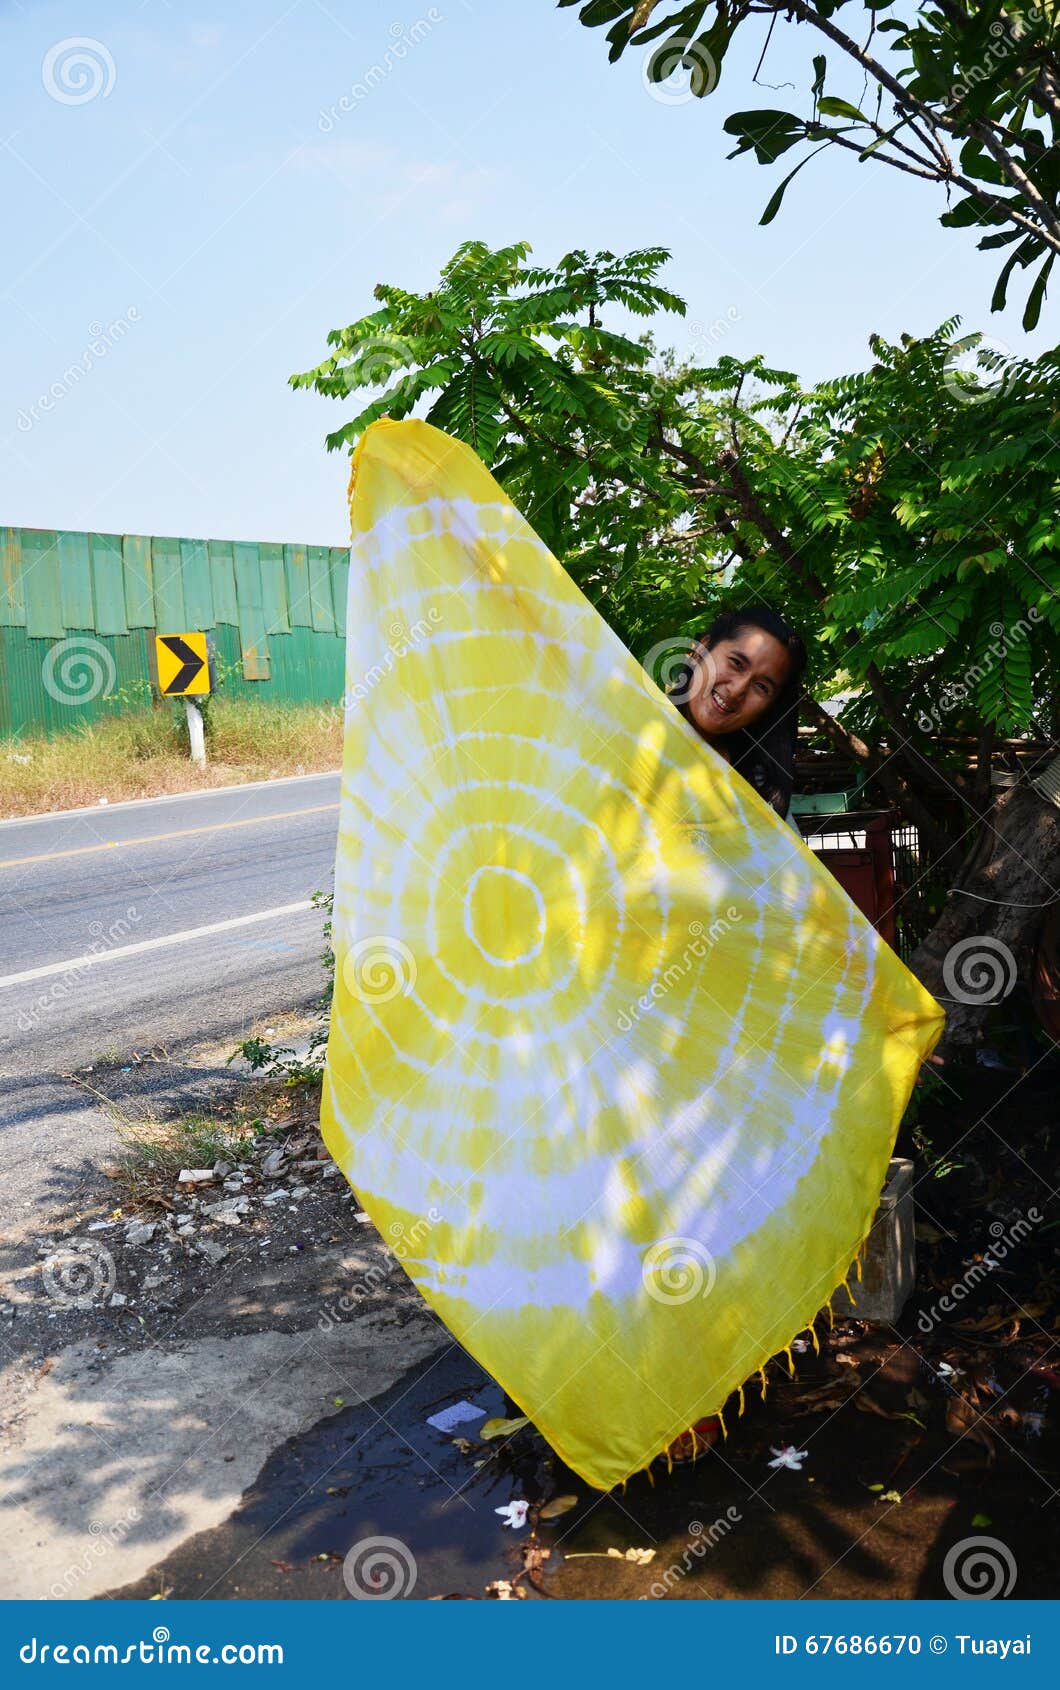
854, 1270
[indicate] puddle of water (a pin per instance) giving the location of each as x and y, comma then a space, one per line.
372, 1471
727, 1527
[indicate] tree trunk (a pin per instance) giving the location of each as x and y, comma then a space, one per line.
984, 940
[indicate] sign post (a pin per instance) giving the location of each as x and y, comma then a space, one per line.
183, 667
196, 732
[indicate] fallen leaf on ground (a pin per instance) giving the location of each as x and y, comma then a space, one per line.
868, 1405
502, 1428
962, 1422
559, 1505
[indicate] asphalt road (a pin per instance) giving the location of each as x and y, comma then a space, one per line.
145, 924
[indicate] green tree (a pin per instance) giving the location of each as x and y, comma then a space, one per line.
905, 517
964, 95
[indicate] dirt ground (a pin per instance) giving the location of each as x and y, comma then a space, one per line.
223, 1385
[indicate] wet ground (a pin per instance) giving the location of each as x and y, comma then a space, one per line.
884, 1492
920, 1442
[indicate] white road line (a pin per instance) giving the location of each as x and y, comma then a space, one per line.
92, 957
103, 810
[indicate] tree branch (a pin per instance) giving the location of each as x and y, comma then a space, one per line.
898, 91
1017, 175
881, 769
890, 709
1047, 231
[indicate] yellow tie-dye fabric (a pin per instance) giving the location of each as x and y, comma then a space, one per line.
615, 1064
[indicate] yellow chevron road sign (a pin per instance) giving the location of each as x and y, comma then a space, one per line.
183, 664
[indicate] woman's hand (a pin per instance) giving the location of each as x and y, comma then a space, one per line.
939, 1062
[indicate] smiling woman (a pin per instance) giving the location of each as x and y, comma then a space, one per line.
739, 689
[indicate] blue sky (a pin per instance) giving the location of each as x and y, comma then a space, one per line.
193, 230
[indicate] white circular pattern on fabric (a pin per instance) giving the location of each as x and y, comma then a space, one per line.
536, 946
592, 648
481, 994
611, 1039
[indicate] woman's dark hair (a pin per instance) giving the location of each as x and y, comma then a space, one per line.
765, 753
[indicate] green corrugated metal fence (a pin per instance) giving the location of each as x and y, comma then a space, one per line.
79, 612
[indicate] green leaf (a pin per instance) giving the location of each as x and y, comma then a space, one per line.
1022, 255
775, 198
831, 106
768, 132
1034, 303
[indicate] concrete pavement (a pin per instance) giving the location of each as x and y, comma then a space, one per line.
146, 924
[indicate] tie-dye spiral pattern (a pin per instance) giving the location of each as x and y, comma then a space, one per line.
615, 1064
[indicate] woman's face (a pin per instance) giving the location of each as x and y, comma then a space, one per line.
736, 681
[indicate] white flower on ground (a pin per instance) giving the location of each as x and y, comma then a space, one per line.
514, 1513
789, 1456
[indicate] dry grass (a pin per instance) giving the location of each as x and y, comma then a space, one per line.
153, 1152
142, 753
